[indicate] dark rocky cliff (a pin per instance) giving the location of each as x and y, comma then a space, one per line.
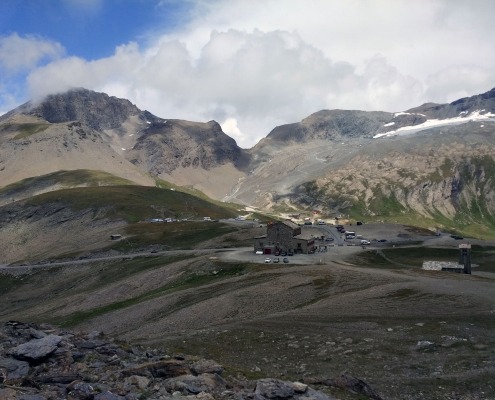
168, 145
96, 110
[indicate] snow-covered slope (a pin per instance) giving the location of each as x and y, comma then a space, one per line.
464, 117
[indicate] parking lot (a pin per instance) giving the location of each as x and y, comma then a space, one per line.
338, 248
333, 253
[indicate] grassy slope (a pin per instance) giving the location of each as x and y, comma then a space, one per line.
25, 130
68, 179
134, 203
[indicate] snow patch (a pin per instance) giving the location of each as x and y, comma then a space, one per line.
433, 123
389, 124
406, 113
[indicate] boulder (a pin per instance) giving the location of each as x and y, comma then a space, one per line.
36, 349
159, 369
206, 367
274, 389
108, 396
14, 370
80, 390
190, 384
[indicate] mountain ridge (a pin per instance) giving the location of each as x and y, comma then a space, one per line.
333, 152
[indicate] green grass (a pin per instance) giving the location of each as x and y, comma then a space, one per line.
160, 183
191, 280
402, 294
134, 203
371, 259
68, 179
484, 257
385, 204
25, 130
109, 273
9, 283
414, 256
176, 235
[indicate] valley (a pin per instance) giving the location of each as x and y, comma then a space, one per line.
369, 312
88, 183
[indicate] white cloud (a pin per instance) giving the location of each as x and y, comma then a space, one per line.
455, 82
229, 126
254, 65
23, 53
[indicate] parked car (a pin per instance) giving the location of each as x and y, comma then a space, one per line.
268, 260
365, 242
276, 260
286, 260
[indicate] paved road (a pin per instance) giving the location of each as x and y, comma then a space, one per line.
31, 267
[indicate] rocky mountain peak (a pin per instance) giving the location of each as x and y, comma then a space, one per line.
328, 125
483, 103
96, 110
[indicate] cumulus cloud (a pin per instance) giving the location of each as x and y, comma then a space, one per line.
255, 65
229, 126
458, 81
23, 53
255, 79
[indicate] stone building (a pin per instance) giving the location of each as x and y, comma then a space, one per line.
284, 236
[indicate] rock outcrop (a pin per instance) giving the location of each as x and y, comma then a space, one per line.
96, 110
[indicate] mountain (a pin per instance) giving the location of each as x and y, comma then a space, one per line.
431, 165
86, 130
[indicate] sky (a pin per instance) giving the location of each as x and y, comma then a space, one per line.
250, 65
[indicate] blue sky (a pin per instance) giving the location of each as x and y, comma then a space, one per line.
248, 64
90, 28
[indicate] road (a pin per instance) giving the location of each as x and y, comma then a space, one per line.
19, 269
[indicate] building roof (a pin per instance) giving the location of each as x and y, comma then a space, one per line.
290, 224
304, 236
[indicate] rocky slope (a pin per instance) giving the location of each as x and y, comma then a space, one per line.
127, 142
31, 146
42, 362
432, 164
409, 334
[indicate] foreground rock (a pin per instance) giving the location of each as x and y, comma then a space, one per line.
40, 362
